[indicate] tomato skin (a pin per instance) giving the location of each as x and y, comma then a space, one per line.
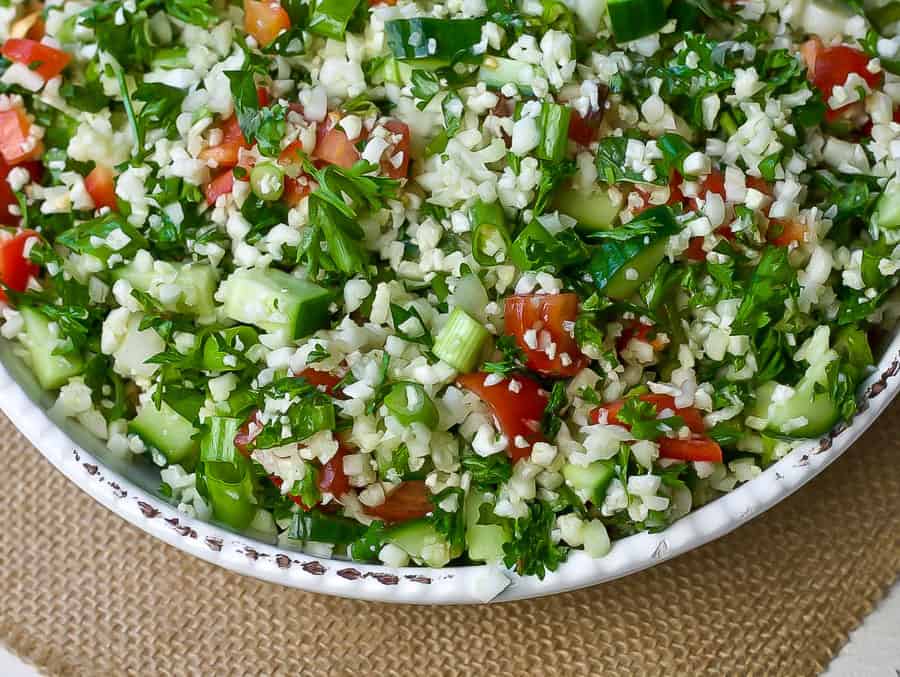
829, 67
580, 131
401, 129
325, 379
694, 449
295, 191
15, 269
519, 414
791, 231
265, 20
222, 184
407, 502
52, 61
675, 195
332, 479
101, 185
551, 313
690, 415
14, 129
227, 153
332, 145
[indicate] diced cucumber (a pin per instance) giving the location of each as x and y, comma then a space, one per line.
422, 542
484, 541
325, 528
196, 281
52, 371
590, 481
593, 211
167, 431
810, 410
619, 268
497, 71
887, 211
275, 301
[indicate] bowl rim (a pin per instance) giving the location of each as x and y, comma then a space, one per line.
419, 585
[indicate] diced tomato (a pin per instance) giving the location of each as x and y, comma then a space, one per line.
332, 479
222, 184
714, 182
829, 67
332, 145
580, 131
675, 195
694, 449
15, 269
695, 251
399, 147
785, 233
407, 502
295, 190
321, 378
690, 415
519, 413
101, 184
552, 318
15, 146
42, 59
247, 433
292, 154
265, 20
262, 95
641, 332
227, 153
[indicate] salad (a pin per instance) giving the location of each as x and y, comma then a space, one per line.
449, 282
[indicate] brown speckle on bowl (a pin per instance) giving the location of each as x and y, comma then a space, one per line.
214, 543
283, 561
424, 580
350, 574
314, 568
148, 510
91, 468
384, 579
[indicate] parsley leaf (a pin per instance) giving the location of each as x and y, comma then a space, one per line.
556, 404
532, 551
450, 524
512, 357
487, 472
641, 417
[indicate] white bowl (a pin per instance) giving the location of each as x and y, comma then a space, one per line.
131, 491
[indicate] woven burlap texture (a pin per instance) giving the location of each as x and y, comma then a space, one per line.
86, 593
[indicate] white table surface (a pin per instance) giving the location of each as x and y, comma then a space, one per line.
873, 649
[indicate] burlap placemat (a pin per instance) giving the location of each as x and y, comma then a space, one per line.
83, 592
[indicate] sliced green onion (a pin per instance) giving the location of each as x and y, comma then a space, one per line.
217, 445
217, 357
490, 239
409, 403
267, 181
633, 19
434, 43
554, 124
171, 57
461, 342
330, 17
325, 528
229, 488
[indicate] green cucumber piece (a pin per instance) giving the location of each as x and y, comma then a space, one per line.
196, 281
593, 211
496, 71
614, 259
484, 542
887, 211
591, 480
275, 301
167, 431
52, 371
324, 528
422, 542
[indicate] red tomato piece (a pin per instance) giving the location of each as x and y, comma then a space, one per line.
265, 20
694, 449
222, 184
332, 479
714, 182
675, 194
15, 146
101, 184
248, 432
785, 233
15, 269
829, 67
399, 147
332, 145
326, 379
227, 153
262, 95
518, 413
292, 154
295, 190
695, 251
580, 131
690, 415
407, 502
44, 60
551, 317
